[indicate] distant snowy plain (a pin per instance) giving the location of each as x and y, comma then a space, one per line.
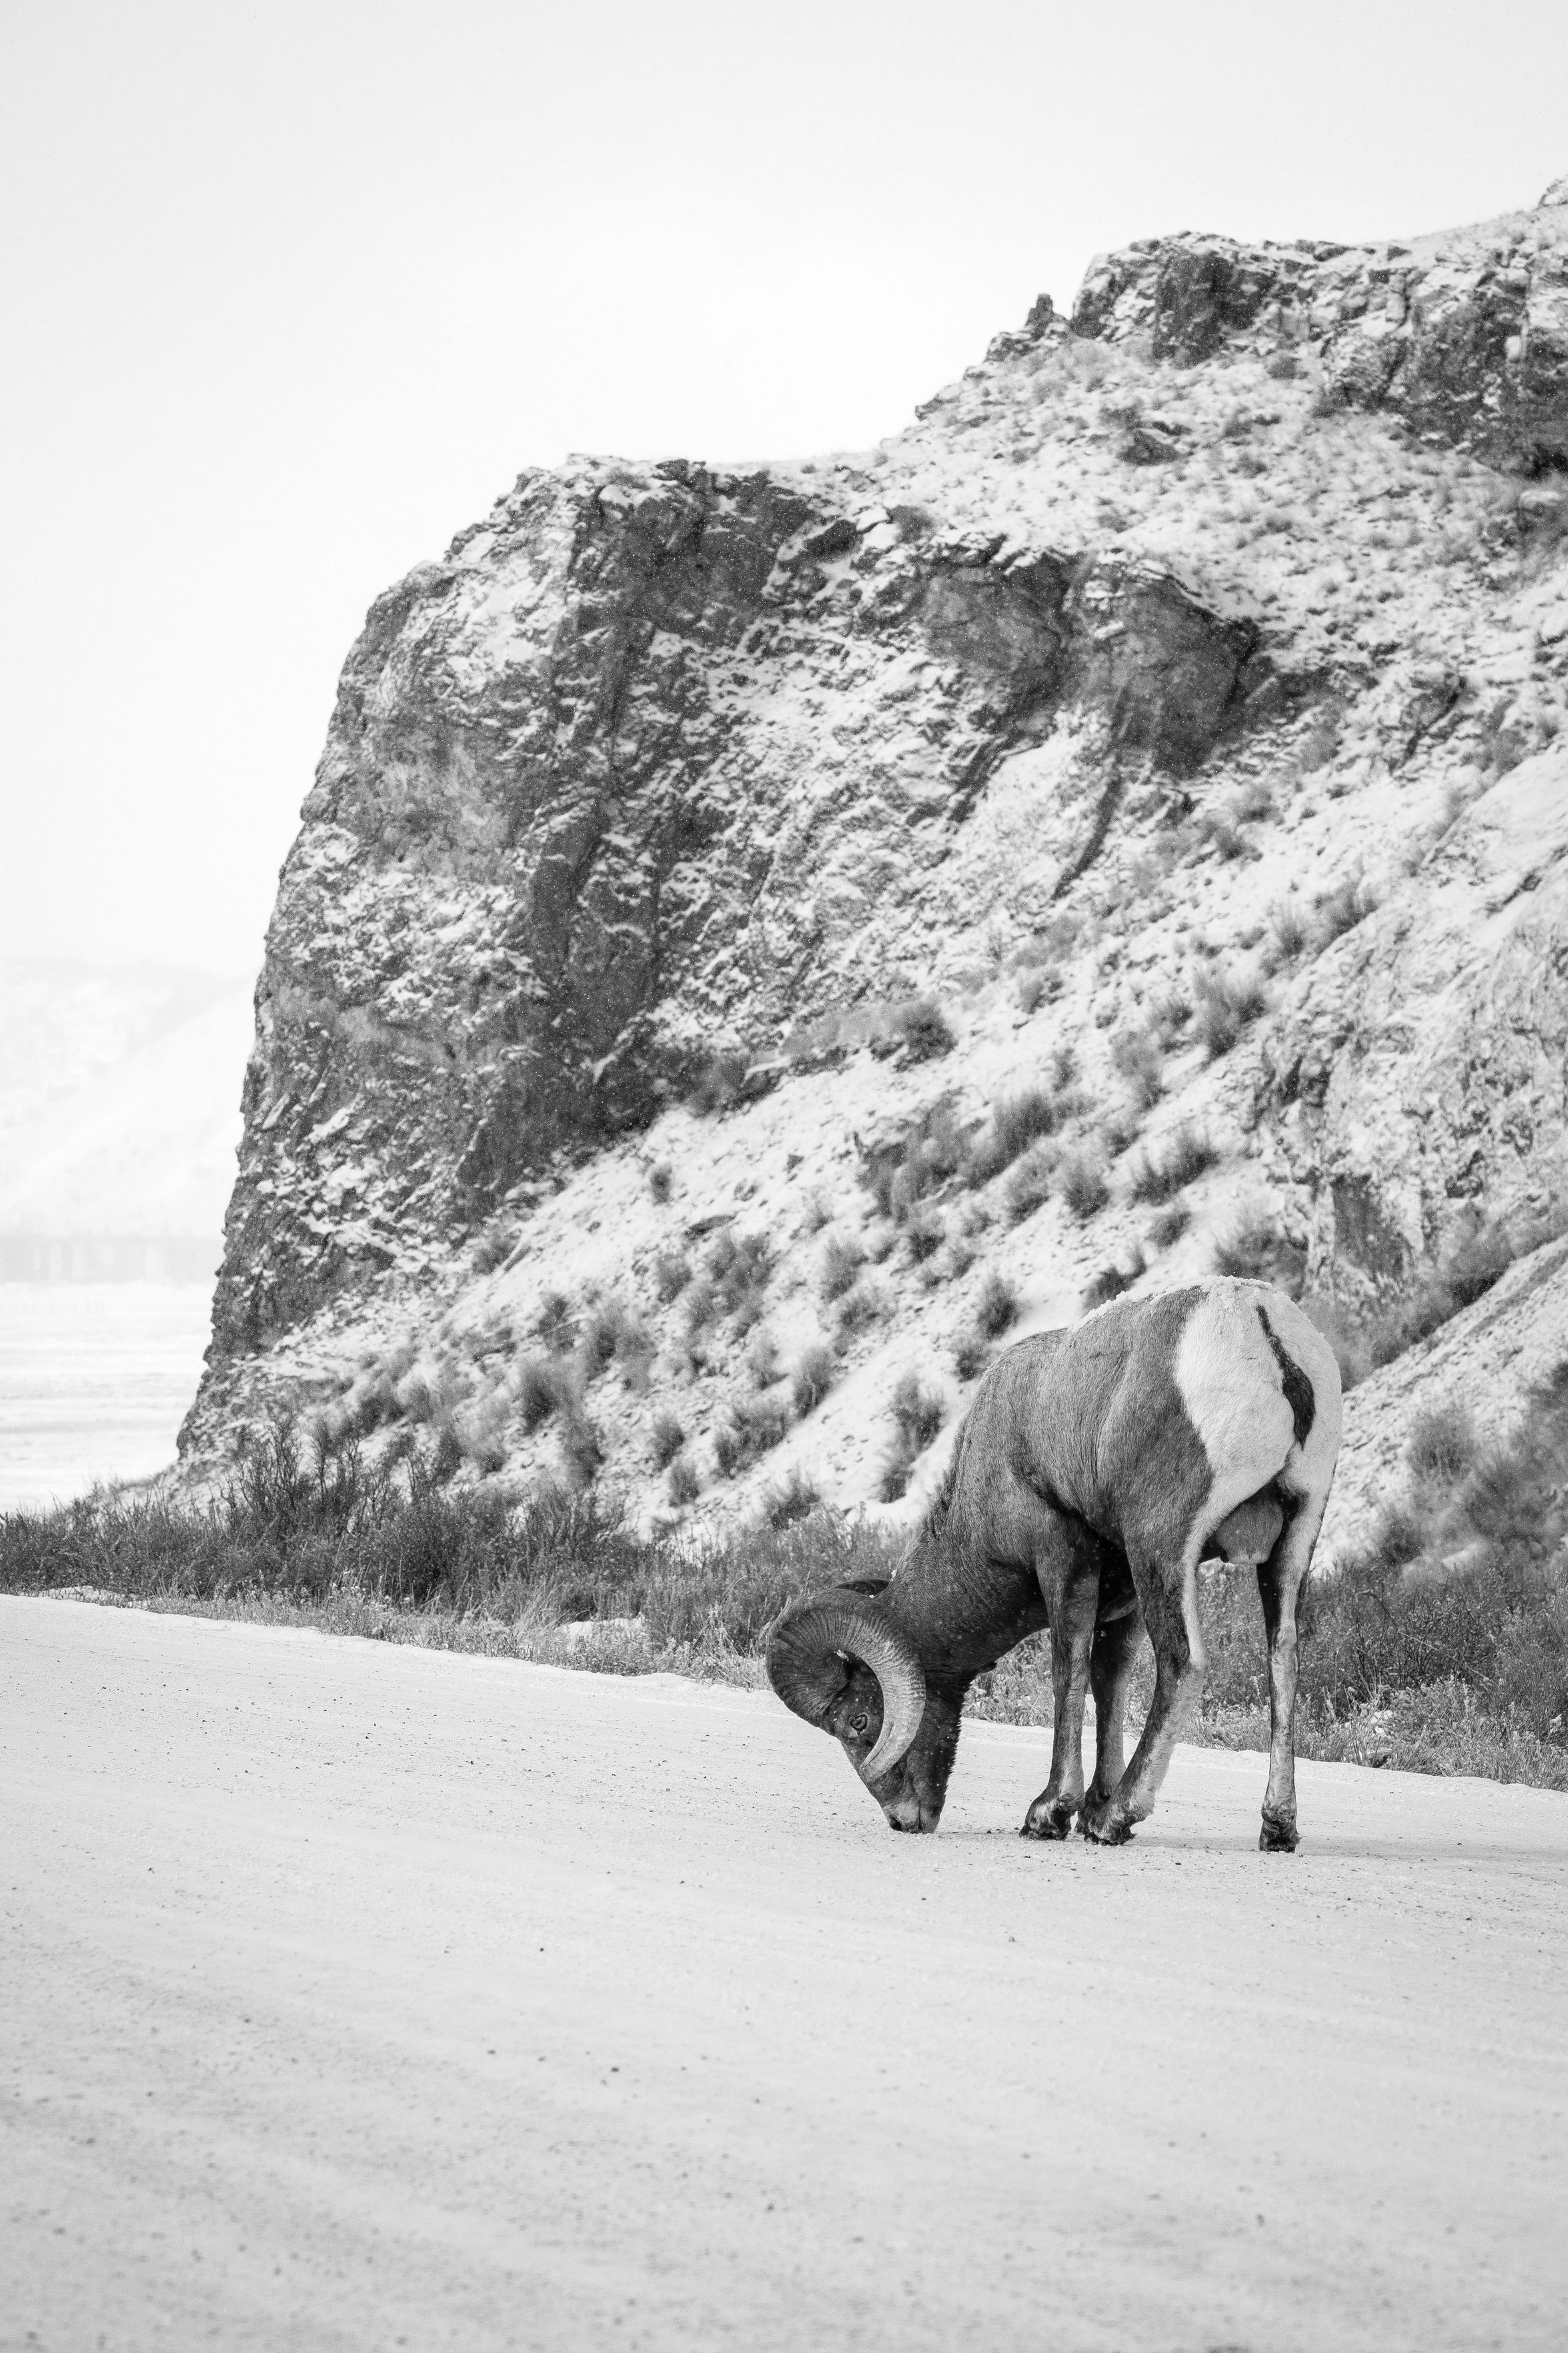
95, 1379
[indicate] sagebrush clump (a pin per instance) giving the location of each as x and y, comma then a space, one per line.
812, 1378
1188, 1155
1225, 1004
918, 1413
1016, 1121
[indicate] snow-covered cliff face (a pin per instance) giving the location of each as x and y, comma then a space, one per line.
1180, 706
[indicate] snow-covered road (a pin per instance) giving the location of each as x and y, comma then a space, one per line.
365, 1996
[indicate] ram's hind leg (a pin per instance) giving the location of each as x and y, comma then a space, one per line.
1069, 1578
1168, 1597
1280, 1581
1110, 1672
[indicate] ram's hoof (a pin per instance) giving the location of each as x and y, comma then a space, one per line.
1104, 1827
1052, 1821
1277, 1835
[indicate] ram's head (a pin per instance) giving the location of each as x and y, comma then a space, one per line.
841, 1664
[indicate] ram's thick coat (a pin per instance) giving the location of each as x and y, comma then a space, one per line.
1095, 1468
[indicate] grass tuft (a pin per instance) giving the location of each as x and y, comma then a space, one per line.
918, 1413
669, 1437
1188, 1155
1083, 1185
1225, 1004
997, 1307
811, 1379
1256, 1249
842, 1259
1016, 1123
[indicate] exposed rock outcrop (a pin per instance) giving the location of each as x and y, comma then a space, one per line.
1422, 1063
624, 777
1179, 705
1463, 335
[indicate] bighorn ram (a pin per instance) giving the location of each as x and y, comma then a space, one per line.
1097, 1467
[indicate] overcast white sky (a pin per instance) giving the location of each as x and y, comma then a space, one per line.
291, 291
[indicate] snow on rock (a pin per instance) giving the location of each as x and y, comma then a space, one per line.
1170, 721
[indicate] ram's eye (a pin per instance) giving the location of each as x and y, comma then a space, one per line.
859, 1724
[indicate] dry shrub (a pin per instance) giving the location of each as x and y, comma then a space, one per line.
812, 1378
1225, 1004
816, 1212
683, 1485
1289, 930
917, 1414
1189, 1152
582, 1447
922, 1031
417, 1396
1016, 1123
1112, 1281
446, 1456
479, 1429
997, 1305
555, 1324
701, 1307
671, 1274
1138, 1055
857, 1311
795, 1497
669, 1437
1339, 910
1119, 1129
543, 1386
738, 1268
924, 1234
1218, 829
494, 1245
716, 1080
754, 1425
1170, 1225
842, 1259
610, 1330
1442, 1445
1083, 1183
927, 1154
1256, 1249
1030, 1184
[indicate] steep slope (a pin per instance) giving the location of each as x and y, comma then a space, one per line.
1170, 723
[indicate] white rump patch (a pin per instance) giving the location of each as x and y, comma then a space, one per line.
1229, 1383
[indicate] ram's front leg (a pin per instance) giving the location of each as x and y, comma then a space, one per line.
1073, 1597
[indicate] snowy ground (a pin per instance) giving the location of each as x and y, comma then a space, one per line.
363, 1996
95, 1380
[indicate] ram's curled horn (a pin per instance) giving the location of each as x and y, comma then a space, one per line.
805, 1666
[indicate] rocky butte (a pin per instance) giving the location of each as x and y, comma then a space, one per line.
751, 935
